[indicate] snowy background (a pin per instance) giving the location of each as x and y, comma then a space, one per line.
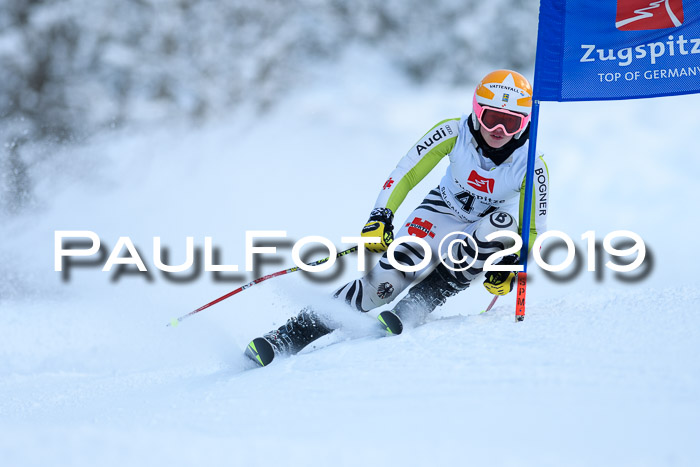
603, 371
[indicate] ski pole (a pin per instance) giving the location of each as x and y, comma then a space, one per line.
493, 302
177, 321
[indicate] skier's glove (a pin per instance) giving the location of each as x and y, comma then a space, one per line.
379, 225
501, 282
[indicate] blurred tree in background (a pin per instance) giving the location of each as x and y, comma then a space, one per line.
70, 68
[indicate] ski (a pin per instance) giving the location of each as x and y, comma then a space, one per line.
260, 351
391, 322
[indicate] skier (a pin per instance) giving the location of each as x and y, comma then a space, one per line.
478, 195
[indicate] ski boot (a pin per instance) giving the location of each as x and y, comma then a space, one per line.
427, 295
289, 339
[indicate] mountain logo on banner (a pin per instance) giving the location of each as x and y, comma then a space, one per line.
643, 15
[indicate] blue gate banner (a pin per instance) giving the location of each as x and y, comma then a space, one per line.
617, 49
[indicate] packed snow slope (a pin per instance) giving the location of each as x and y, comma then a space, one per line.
603, 371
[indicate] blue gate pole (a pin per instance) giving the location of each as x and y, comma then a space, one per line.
527, 211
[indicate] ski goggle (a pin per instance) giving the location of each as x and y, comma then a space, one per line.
491, 118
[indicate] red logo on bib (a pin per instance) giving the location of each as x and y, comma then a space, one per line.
420, 228
643, 15
480, 183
